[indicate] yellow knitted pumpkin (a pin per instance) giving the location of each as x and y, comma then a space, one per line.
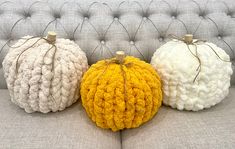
121, 92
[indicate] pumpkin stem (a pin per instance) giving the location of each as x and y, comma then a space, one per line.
188, 38
51, 37
120, 55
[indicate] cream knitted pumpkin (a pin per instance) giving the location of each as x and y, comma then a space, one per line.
187, 84
43, 74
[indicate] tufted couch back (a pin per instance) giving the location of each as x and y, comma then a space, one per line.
102, 27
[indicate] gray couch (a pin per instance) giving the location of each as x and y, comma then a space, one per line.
100, 28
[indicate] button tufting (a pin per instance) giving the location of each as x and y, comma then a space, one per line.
146, 14
219, 37
86, 15
116, 14
115, 18
174, 15
132, 42
102, 42
161, 38
57, 15
71, 38
27, 15
202, 14
229, 14
144, 18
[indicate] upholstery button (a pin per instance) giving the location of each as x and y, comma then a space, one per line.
72, 38
145, 18
116, 14
146, 14
102, 42
229, 14
174, 15
86, 15
132, 42
57, 16
160, 38
27, 15
202, 14
219, 37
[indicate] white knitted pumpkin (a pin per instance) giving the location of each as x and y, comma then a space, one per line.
178, 68
45, 77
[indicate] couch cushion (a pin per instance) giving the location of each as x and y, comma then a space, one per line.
70, 128
211, 128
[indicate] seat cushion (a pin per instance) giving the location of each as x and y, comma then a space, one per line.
211, 128
70, 128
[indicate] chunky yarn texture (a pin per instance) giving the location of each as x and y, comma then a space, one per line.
119, 96
177, 67
44, 82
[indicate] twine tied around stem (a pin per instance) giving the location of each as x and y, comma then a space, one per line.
51, 39
188, 40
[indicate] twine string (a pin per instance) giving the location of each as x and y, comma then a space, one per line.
41, 38
32, 45
22, 43
115, 61
196, 42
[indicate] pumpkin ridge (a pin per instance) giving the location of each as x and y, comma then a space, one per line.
137, 118
147, 89
33, 86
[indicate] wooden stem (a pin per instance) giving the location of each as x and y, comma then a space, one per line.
51, 37
120, 56
188, 38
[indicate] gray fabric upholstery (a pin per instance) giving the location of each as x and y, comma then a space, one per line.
212, 128
102, 27
70, 128
172, 129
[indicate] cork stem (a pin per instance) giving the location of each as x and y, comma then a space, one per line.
51, 37
120, 56
188, 38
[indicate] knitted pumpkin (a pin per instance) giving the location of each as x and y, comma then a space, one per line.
43, 74
121, 92
195, 73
